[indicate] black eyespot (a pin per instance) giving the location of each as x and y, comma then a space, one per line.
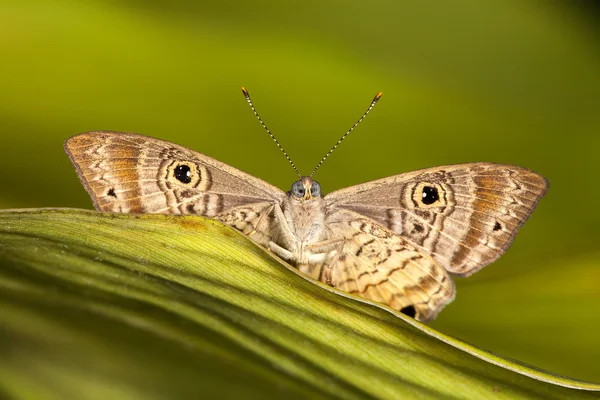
410, 311
497, 226
430, 195
315, 189
111, 192
418, 228
298, 189
183, 173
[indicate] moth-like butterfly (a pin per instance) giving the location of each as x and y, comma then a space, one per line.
394, 240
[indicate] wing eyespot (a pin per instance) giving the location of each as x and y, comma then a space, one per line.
428, 195
409, 311
183, 173
188, 174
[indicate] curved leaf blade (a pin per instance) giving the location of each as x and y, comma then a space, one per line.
163, 306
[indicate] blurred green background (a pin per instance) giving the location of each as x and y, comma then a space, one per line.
511, 81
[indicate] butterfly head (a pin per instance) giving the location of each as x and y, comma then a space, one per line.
305, 189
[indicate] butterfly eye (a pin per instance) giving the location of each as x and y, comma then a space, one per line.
298, 189
315, 189
183, 173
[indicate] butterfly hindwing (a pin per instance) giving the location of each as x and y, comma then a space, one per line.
376, 264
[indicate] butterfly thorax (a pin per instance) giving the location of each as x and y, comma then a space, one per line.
305, 218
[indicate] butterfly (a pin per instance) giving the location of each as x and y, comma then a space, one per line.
394, 240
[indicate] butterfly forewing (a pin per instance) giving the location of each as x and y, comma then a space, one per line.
126, 172
464, 216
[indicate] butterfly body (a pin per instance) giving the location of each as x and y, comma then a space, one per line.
395, 240
305, 217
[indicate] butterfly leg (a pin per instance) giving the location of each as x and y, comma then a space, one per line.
281, 252
324, 244
288, 237
321, 259
327, 272
260, 220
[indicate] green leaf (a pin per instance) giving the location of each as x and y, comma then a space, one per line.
531, 311
154, 306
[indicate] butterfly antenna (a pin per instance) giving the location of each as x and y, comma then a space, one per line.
375, 100
249, 100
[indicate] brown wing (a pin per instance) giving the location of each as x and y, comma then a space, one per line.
378, 265
464, 216
131, 173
